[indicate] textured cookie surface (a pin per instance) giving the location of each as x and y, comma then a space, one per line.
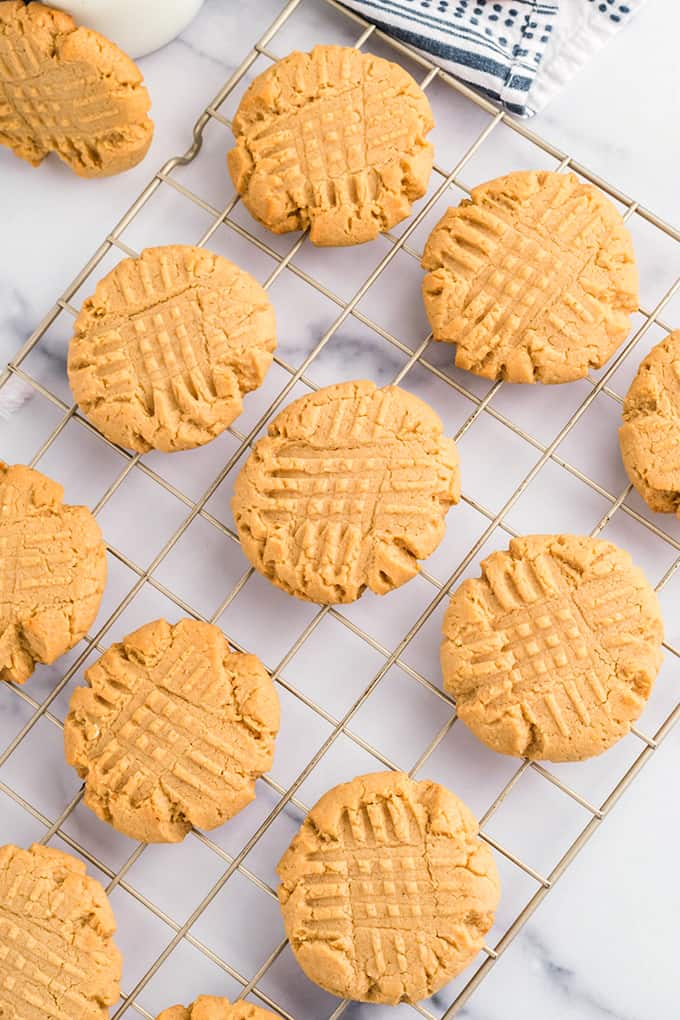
209, 1007
349, 490
167, 346
69, 90
650, 434
534, 278
552, 653
57, 957
387, 892
173, 731
52, 571
334, 140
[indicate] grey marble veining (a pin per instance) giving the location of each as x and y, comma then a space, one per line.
603, 945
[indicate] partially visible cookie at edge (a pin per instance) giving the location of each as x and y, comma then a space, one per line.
168, 345
57, 955
387, 891
349, 490
533, 278
68, 90
173, 731
211, 1007
650, 434
52, 571
553, 651
334, 140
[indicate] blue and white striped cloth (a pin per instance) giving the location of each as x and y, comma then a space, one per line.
519, 52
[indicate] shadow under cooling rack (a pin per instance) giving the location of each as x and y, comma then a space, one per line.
477, 406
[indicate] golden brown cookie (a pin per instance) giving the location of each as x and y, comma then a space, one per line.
209, 1007
533, 278
174, 730
164, 351
69, 90
349, 490
52, 571
57, 957
650, 434
553, 651
334, 140
387, 892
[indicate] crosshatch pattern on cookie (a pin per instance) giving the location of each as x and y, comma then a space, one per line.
52, 571
279, 984
387, 892
174, 730
553, 652
349, 489
69, 90
545, 637
57, 958
335, 140
164, 351
533, 278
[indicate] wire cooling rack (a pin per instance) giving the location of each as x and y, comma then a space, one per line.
359, 685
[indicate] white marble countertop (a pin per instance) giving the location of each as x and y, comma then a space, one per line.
604, 942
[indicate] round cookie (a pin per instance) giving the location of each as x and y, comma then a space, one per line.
333, 140
650, 434
164, 351
553, 651
69, 90
533, 278
52, 571
174, 730
209, 1007
387, 891
349, 490
57, 957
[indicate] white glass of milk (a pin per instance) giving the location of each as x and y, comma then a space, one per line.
137, 26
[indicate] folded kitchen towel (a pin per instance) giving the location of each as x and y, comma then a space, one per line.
519, 52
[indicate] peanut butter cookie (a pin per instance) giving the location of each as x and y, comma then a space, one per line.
533, 278
57, 957
553, 651
349, 490
174, 730
52, 571
209, 1007
334, 140
69, 90
164, 351
650, 434
387, 891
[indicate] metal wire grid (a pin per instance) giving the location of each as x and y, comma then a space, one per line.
440, 591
